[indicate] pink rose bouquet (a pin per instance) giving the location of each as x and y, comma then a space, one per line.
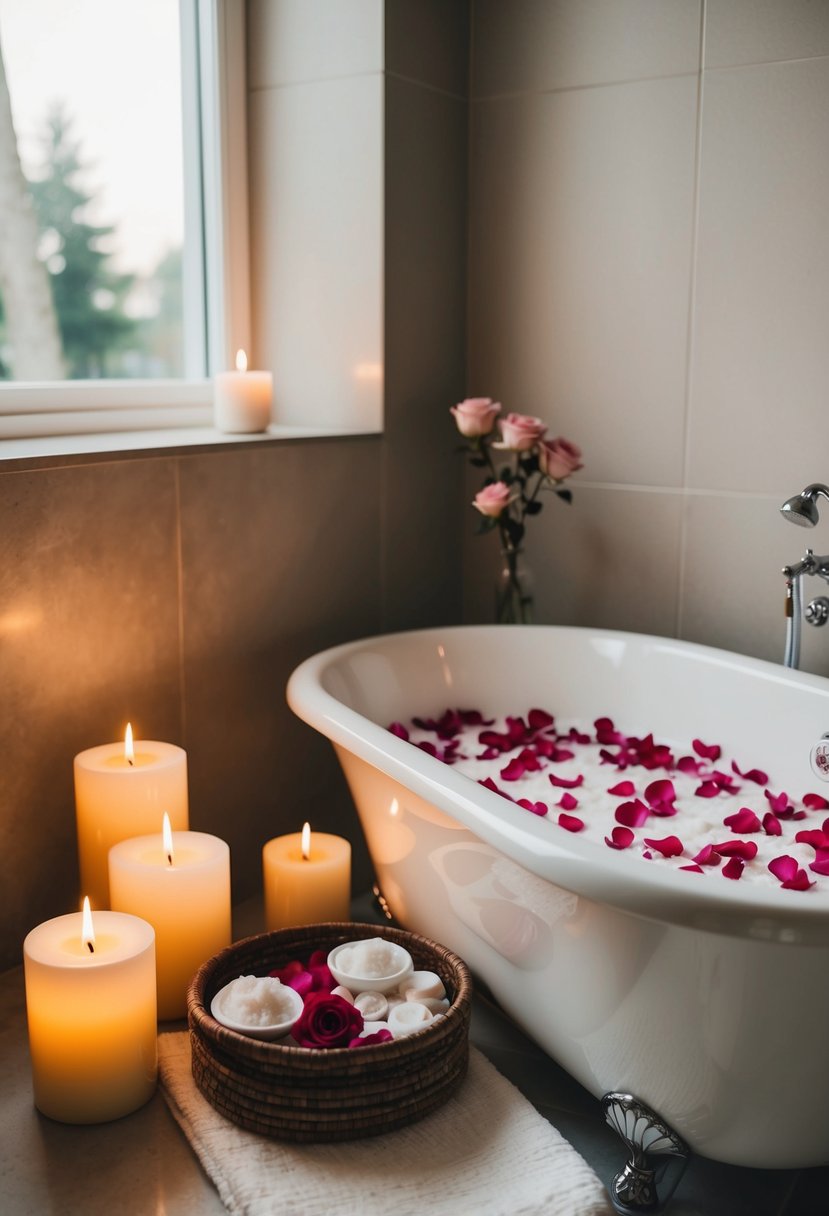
520, 463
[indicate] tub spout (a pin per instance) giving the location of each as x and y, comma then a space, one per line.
645, 1135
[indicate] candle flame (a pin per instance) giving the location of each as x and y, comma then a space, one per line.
167, 837
306, 841
241, 361
129, 750
87, 929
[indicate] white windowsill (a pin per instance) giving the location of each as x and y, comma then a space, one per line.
49, 449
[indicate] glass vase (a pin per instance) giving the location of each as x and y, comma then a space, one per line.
515, 590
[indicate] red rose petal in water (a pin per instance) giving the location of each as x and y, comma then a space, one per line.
669, 846
743, 820
620, 838
563, 783
537, 808
746, 849
815, 802
733, 868
571, 823
623, 789
567, 802
772, 825
708, 856
632, 814
754, 774
708, 751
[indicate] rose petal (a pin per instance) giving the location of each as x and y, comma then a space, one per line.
563, 783
490, 785
567, 802
708, 856
537, 808
708, 751
378, 1036
687, 764
821, 863
632, 814
658, 792
669, 846
800, 882
784, 867
708, 789
571, 823
620, 838
733, 868
696, 869
816, 838
815, 802
623, 789
397, 728
539, 719
743, 820
512, 771
754, 774
772, 825
746, 849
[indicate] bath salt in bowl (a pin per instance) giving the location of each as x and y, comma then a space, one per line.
257, 1005
373, 965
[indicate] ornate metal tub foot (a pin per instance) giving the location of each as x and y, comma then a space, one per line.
634, 1189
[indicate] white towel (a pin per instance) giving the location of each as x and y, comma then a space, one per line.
487, 1152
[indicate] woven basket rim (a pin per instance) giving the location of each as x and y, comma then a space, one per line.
234, 1042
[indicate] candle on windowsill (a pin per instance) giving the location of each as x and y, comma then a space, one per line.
180, 883
122, 790
307, 879
242, 399
91, 1011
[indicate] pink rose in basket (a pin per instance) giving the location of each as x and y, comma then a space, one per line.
520, 432
558, 458
475, 416
493, 499
327, 1021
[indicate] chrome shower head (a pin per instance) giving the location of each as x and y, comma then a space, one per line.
802, 508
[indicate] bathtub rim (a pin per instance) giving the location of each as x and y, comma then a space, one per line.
581, 866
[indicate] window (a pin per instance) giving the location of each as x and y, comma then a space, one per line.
123, 230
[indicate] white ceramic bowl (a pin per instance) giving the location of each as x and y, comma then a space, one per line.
402, 961
276, 1030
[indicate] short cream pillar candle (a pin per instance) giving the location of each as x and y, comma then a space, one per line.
242, 399
181, 886
91, 1009
122, 790
307, 879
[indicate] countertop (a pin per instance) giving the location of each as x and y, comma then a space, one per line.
143, 1166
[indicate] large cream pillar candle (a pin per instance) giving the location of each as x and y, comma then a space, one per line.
91, 1015
122, 790
182, 887
307, 879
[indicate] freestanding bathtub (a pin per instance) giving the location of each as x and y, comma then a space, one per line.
707, 999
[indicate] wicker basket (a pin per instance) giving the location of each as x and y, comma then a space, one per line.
304, 1095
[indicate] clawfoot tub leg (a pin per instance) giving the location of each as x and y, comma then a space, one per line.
645, 1135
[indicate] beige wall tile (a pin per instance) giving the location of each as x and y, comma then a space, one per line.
757, 31
89, 639
610, 560
761, 359
733, 588
280, 549
581, 212
317, 245
559, 44
428, 41
301, 40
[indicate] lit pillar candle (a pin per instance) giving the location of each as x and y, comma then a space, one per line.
122, 790
242, 399
307, 879
181, 885
91, 1009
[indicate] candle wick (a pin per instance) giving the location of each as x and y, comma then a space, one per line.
169, 858
91, 947
130, 762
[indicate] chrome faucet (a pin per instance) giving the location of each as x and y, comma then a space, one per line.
802, 510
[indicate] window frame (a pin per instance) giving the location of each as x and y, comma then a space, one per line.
215, 260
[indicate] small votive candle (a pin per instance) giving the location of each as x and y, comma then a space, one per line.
91, 1010
180, 883
242, 399
307, 879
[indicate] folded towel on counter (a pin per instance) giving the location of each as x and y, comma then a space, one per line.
487, 1152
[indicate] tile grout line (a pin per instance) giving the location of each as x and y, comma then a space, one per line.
691, 333
180, 597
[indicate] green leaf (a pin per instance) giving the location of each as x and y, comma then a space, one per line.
566, 495
534, 507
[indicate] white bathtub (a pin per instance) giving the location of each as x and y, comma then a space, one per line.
707, 999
